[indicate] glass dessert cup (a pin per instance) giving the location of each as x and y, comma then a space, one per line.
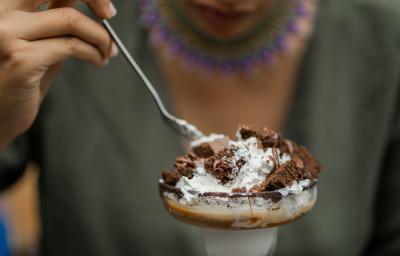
238, 223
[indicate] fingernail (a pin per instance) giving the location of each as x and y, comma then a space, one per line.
114, 50
112, 9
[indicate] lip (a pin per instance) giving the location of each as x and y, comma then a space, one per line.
220, 19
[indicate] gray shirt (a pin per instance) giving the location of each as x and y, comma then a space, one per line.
101, 145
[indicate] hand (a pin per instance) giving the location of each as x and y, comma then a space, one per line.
32, 46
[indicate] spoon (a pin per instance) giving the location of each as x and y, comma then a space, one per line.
181, 126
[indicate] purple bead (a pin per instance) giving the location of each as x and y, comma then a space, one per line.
192, 57
280, 43
208, 64
292, 27
150, 18
163, 34
266, 55
301, 11
228, 67
176, 47
247, 64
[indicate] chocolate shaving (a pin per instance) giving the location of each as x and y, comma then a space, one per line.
276, 156
273, 160
267, 137
288, 147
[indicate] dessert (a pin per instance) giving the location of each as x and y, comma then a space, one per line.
261, 180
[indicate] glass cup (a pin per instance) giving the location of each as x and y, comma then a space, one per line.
238, 223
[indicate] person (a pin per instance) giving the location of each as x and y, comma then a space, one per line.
100, 143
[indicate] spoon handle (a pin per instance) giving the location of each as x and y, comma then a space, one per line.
177, 124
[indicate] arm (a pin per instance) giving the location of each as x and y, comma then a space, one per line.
32, 46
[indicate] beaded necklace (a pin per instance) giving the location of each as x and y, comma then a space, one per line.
170, 27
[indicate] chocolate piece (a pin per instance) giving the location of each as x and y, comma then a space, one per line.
219, 168
283, 176
222, 165
311, 164
185, 165
203, 150
170, 177
267, 137
247, 131
208, 149
302, 157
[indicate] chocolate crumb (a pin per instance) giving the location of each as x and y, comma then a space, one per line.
170, 177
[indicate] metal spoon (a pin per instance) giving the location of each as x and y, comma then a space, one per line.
179, 125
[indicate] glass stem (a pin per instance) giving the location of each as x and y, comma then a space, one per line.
255, 242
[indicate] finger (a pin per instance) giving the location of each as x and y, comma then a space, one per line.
48, 52
60, 22
102, 8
